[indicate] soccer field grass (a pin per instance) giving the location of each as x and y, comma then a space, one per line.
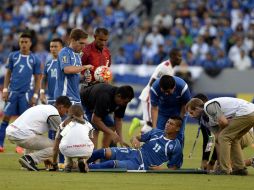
12, 177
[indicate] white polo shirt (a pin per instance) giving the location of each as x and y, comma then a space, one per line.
228, 106
34, 121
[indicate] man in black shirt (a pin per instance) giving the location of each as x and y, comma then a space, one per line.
99, 101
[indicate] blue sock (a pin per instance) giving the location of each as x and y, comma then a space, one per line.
61, 158
102, 165
2, 132
97, 154
52, 134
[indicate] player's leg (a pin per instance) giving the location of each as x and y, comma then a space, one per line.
10, 109
103, 153
107, 140
205, 154
136, 123
42, 146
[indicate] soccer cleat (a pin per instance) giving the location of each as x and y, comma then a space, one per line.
134, 125
19, 150
252, 162
68, 168
82, 165
27, 162
1, 149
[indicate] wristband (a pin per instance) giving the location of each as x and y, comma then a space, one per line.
42, 91
35, 96
5, 90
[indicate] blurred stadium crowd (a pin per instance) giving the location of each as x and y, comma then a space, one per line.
213, 34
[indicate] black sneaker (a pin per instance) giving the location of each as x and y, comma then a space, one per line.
68, 168
243, 171
27, 162
82, 165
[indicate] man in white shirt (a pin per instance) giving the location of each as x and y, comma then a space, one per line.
235, 118
28, 129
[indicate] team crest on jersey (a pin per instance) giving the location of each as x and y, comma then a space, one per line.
31, 60
64, 59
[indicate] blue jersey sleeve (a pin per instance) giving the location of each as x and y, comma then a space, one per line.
9, 64
146, 136
186, 95
37, 66
175, 155
65, 59
45, 69
155, 93
151, 134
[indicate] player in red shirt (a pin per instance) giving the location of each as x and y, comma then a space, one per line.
97, 53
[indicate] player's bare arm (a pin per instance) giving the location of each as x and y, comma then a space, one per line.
6, 84
101, 126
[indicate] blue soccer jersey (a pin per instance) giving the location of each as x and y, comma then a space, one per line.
50, 72
157, 149
170, 105
22, 68
68, 84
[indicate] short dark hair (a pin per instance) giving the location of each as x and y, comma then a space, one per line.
167, 82
58, 40
63, 100
178, 118
126, 92
77, 34
101, 30
201, 96
26, 35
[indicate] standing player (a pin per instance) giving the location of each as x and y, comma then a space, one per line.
96, 53
69, 67
169, 95
101, 99
49, 78
21, 66
159, 147
164, 68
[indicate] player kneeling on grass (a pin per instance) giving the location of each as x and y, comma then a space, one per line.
159, 147
73, 140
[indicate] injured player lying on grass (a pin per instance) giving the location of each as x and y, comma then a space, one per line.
159, 147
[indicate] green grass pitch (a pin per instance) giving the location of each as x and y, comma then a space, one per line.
12, 177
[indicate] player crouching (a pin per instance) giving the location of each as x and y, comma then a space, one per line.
73, 140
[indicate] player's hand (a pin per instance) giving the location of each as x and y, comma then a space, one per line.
33, 101
43, 98
115, 137
54, 167
135, 142
5, 96
204, 164
124, 144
